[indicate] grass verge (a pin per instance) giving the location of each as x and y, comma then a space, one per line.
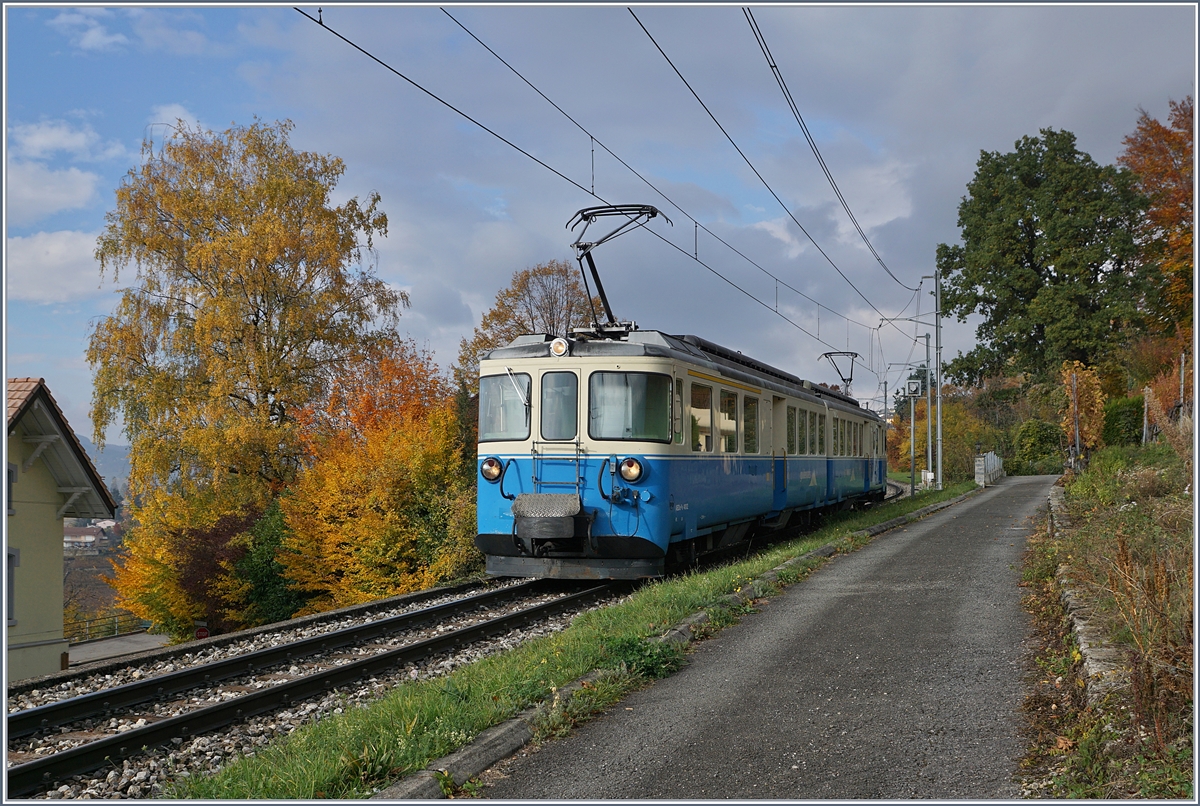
1129, 549
353, 754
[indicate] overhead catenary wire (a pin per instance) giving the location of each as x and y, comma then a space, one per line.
556, 172
812, 144
596, 142
755, 170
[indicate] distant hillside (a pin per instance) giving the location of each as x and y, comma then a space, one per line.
112, 462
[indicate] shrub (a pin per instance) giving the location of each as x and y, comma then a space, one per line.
1123, 421
1038, 449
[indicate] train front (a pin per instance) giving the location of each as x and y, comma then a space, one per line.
574, 477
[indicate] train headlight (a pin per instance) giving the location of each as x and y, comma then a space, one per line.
559, 347
491, 468
631, 469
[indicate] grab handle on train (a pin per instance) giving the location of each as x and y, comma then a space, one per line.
503, 473
600, 481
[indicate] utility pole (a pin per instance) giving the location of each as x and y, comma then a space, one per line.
928, 411
937, 309
912, 449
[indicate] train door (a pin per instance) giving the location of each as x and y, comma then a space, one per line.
778, 440
556, 450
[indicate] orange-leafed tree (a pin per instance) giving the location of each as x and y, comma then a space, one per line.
1161, 157
548, 298
384, 507
250, 290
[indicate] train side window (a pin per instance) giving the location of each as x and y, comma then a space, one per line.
791, 427
842, 437
700, 414
729, 424
678, 411
560, 405
750, 428
812, 434
821, 434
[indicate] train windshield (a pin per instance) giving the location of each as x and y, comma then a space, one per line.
504, 407
629, 406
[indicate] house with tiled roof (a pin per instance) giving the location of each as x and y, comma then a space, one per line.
50, 477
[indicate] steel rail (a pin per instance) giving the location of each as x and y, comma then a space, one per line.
101, 703
34, 775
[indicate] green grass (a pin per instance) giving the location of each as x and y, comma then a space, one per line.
350, 755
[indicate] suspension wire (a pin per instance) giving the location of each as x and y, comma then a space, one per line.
646, 181
554, 171
787, 94
756, 171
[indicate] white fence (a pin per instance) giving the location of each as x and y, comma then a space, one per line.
989, 468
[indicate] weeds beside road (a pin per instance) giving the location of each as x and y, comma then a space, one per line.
1129, 551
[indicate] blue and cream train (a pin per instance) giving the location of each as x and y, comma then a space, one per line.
619, 455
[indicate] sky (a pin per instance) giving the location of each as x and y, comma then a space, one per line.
900, 101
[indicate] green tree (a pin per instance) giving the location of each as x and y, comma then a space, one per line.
252, 291
1048, 258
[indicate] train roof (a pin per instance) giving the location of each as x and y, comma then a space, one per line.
694, 349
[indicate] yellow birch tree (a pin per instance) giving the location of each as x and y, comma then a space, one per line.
251, 290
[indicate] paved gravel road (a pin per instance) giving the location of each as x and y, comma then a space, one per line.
893, 672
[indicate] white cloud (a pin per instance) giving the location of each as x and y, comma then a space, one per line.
82, 26
778, 229
170, 113
50, 267
35, 191
45, 138
154, 27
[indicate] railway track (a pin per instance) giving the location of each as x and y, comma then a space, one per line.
55, 741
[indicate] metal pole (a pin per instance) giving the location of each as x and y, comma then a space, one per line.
1145, 416
928, 411
937, 275
1075, 404
912, 449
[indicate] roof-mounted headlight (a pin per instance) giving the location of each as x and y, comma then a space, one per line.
559, 347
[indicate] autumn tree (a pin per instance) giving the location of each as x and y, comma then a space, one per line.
1084, 405
385, 507
547, 298
1049, 258
251, 291
1161, 158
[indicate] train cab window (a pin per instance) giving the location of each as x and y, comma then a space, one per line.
677, 411
791, 429
750, 426
560, 405
821, 434
700, 414
728, 422
504, 407
629, 406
